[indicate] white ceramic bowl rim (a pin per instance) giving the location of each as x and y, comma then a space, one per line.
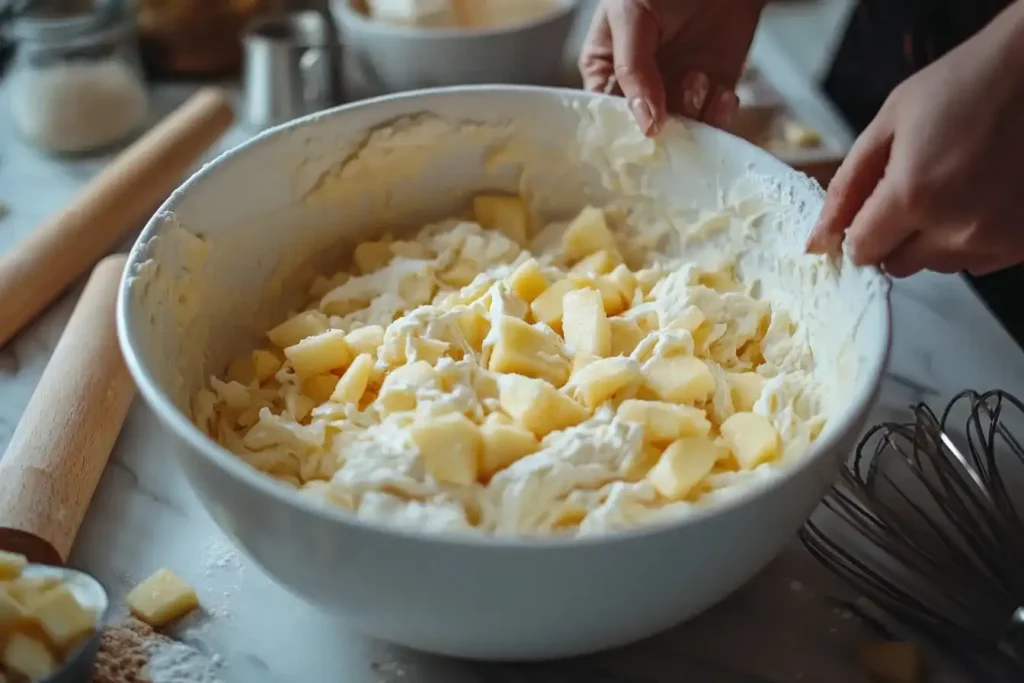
560, 9
234, 466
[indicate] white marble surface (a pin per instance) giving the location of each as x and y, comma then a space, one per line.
779, 628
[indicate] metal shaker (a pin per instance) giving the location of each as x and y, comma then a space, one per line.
292, 68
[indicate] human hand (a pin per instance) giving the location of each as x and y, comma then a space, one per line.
678, 56
936, 181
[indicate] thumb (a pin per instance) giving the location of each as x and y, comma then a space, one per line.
635, 36
857, 177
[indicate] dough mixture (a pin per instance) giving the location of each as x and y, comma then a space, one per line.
486, 377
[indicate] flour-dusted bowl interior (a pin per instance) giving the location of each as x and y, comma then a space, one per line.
234, 249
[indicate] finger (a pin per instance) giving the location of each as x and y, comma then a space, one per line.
721, 110
879, 227
854, 182
937, 250
595, 62
691, 95
635, 37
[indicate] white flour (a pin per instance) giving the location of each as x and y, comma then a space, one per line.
174, 662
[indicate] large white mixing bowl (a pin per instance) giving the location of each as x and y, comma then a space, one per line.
269, 206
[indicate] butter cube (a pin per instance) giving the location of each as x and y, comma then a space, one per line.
319, 388
28, 657
319, 354
12, 612
586, 234
611, 297
528, 281
241, 370
504, 444
299, 406
751, 438
892, 662
647, 278
365, 339
599, 381
582, 360
297, 328
459, 274
162, 598
370, 257
322, 285
474, 327
745, 388
352, 385
625, 281
639, 467
680, 379
690, 319
450, 446
11, 565
537, 405
62, 618
683, 465
411, 250
26, 589
584, 322
547, 307
527, 350
598, 263
625, 336
399, 389
664, 422
510, 215
265, 364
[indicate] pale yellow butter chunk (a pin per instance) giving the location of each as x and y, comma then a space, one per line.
316, 355
683, 465
365, 339
474, 327
28, 657
62, 618
399, 389
265, 364
547, 307
745, 388
370, 257
241, 370
892, 662
690, 319
319, 388
459, 274
611, 297
598, 263
680, 379
624, 281
162, 598
751, 438
598, 381
647, 278
526, 350
27, 588
297, 328
585, 324
12, 612
410, 250
528, 281
664, 422
450, 446
587, 233
537, 405
625, 336
504, 443
11, 565
510, 215
352, 385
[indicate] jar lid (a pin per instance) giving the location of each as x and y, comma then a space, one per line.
49, 21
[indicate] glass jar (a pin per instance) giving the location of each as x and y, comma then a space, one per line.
76, 84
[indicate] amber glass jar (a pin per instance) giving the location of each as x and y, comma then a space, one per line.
194, 38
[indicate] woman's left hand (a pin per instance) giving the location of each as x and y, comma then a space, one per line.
936, 181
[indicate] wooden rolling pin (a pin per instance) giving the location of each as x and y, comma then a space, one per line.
54, 255
59, 449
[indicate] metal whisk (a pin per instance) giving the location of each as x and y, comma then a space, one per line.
925, 522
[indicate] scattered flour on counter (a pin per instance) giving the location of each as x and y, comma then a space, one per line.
174, 662
221, 561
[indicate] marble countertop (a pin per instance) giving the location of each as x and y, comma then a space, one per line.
780, 628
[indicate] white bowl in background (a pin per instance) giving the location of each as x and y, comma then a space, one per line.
382, 58
266, 209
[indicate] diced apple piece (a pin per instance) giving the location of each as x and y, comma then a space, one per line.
162, 598
450, 446
26, 656
297, 328
584, 322
892, 662
625, 335
537, 405
61, 617
683, 465
504, 444
510, 215
547, 307
370, 257
680, 379
664, 422
265, 364
365, 339
320, 387
587, 233
598, 263
599, 381
527, 350
528, 281
751, 438
316, 355
352, 385
11, 565
745, 388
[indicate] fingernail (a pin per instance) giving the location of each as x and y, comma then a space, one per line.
722, 111
697, 94
691, 90
643, 114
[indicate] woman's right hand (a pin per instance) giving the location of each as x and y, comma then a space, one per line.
671, 56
